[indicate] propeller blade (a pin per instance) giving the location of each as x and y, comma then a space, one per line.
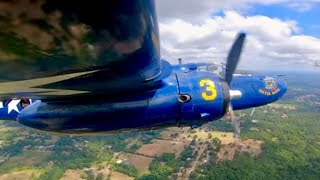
234, 56
235, 121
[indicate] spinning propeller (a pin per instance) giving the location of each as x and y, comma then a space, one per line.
232, 62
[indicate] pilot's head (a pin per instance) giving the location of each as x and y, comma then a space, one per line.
24, 103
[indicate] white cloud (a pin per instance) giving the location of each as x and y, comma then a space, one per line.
301, 7
197, 10
270, 41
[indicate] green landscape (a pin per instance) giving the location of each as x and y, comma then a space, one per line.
278, 141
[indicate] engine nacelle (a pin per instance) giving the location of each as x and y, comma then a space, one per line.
209, 96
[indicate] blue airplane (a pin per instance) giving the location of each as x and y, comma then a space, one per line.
78, 67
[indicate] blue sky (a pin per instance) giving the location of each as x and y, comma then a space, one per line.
308, 20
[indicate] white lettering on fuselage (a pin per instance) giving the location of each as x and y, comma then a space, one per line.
269, 93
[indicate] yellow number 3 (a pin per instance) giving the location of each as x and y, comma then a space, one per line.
211, 92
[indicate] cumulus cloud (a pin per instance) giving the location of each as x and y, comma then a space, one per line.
197, 10
270, 41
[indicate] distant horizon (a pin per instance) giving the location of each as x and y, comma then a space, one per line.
262, 68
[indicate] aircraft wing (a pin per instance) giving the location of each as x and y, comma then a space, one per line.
54, 48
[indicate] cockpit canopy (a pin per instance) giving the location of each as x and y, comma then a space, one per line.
216, 68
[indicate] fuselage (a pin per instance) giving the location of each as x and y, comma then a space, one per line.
185, 98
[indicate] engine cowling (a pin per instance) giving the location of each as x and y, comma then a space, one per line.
209, 96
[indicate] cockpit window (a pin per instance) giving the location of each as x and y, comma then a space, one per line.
24, 103
202, 68
214, 68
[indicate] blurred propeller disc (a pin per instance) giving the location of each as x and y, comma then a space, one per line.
232, 63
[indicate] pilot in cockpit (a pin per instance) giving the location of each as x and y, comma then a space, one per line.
24, 103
